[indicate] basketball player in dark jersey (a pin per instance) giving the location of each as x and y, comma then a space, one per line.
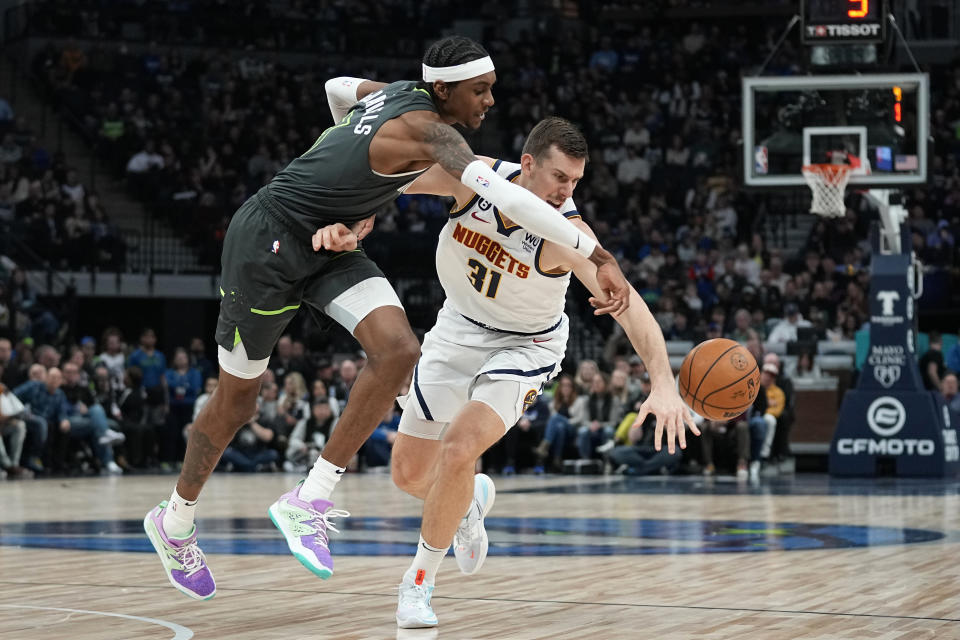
273, 262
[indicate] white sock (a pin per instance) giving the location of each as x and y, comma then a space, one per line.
321, 480
178, 516
424, 568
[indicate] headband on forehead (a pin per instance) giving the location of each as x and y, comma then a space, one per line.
458, 72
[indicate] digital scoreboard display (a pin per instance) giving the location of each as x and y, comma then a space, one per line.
840, 21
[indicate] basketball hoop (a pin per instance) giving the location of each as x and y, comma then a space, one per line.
828, 183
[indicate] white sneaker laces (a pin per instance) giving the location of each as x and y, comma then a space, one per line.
321, 524
190, 558
414, 595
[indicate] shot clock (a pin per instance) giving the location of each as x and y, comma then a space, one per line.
843, 21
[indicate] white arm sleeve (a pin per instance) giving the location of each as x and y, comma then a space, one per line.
526, 209
341, 95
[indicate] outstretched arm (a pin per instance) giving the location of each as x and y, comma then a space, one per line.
647, 339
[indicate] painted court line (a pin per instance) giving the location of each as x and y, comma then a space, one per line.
180, 632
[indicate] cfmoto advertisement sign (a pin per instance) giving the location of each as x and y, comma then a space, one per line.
906, 428
890, 418
886, 417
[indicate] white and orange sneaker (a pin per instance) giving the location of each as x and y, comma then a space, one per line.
413, 606
470, 543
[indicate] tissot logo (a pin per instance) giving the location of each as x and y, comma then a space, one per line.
887, 298
843, 30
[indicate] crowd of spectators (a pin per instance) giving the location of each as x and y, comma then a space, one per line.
106, 406
111, 407
48, 217
196, 133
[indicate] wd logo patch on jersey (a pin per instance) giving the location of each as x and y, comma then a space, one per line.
531, 242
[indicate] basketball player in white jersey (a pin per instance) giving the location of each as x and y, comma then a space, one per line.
500, 336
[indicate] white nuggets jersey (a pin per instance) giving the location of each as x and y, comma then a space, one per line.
491, 272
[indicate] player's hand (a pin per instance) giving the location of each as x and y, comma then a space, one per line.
615, 288
335, 237
671, 414
338, 237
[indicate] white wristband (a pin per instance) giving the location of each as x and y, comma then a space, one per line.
341, 95
526, 209
586, 244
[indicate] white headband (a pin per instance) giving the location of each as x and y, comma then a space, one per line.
458, 72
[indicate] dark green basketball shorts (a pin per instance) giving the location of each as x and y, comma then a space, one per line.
268, 270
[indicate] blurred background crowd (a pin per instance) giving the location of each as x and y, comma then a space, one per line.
189, 106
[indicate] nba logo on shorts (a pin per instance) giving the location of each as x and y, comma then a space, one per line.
483, 182
276, 246
760, 166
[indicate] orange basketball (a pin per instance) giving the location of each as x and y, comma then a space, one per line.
719, 379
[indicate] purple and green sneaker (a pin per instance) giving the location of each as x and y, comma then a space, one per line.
304, 524
183, 562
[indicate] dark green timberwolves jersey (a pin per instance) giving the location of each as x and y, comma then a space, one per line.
333, 181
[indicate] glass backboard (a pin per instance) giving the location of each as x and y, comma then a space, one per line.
882, 119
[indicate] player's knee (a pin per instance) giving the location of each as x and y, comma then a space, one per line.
407, 352
458, 452
237, 403
398, 358
243, 411
407, 475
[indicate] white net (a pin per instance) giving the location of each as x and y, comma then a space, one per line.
828, 183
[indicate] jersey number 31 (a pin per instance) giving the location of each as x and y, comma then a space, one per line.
479, 276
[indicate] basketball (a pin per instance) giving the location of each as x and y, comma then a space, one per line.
719, 379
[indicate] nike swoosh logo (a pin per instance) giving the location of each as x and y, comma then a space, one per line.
340, 471
476, 217
539, 341
578, 243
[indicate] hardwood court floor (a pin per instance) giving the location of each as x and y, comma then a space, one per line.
662, 558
